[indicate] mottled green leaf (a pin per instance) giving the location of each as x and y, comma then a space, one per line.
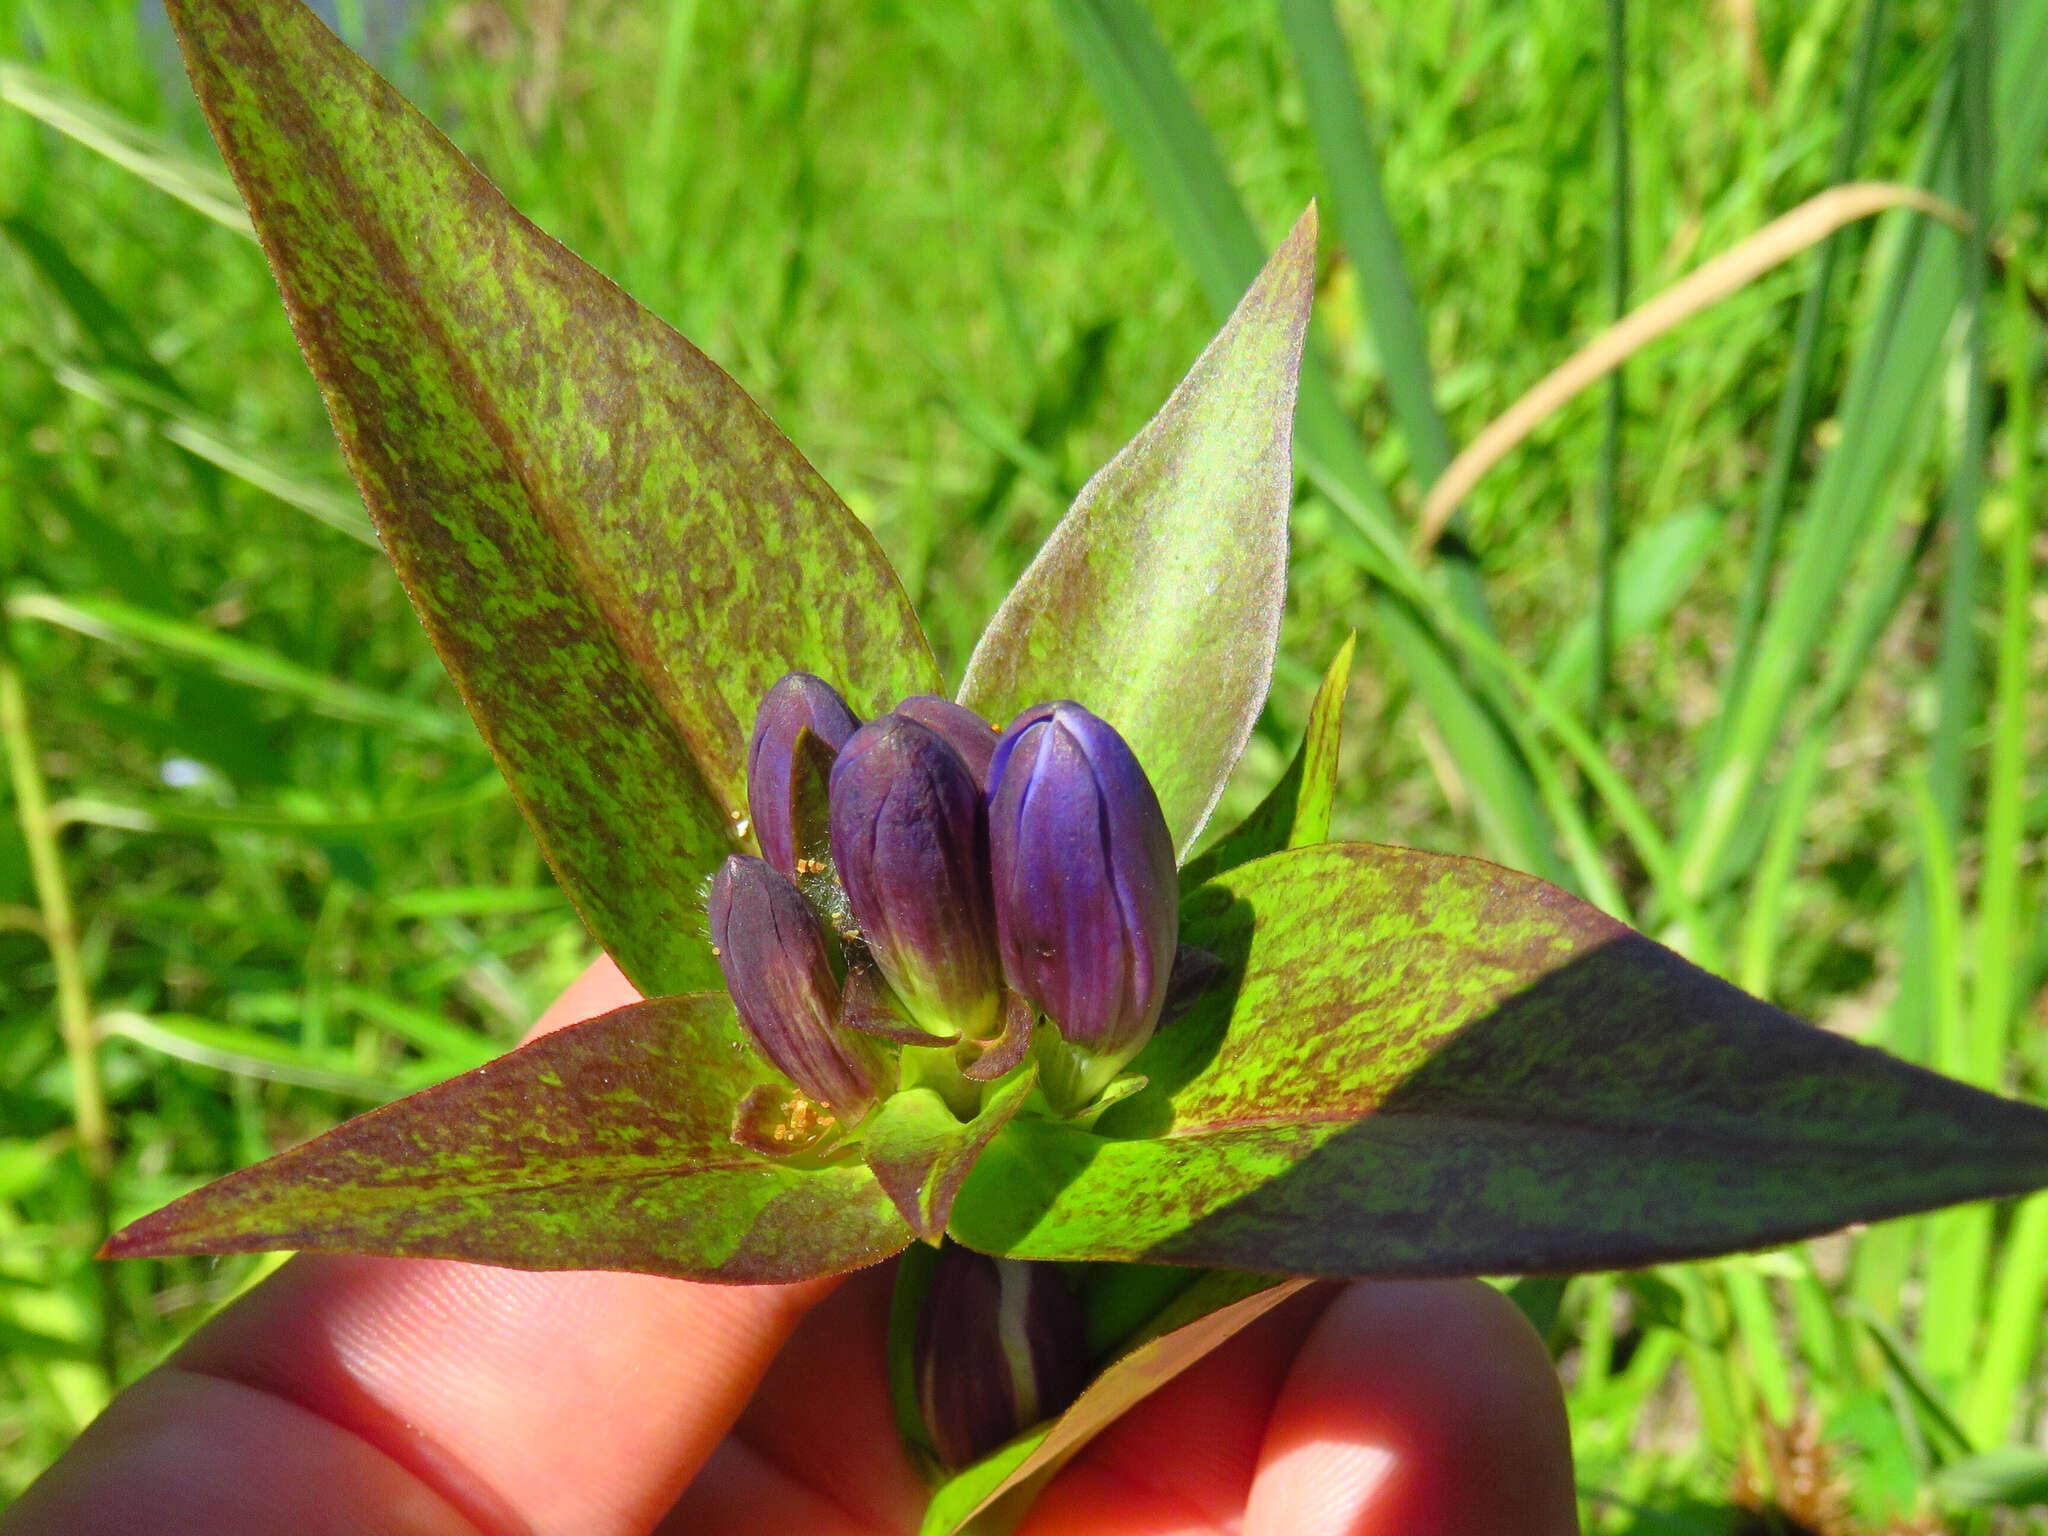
920, 1153
1424, 1065
601, 1146
1296, 812
1203, 1317
612, 547
1165, 581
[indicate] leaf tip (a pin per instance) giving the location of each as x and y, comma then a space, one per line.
150, 1237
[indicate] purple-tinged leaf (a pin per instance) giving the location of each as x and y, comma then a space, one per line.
613, 549
920, 1153
1296, 812
1423, 1065
602, 1146
1169, 573
1203, 1317
1006, 1052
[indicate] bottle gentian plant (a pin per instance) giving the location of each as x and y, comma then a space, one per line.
916, 986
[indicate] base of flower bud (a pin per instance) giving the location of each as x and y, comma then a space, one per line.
938, 1068
1073, 1079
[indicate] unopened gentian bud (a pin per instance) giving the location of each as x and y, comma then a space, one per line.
999, 1348
1087, 897
964, 731
777, 965
909, 839
798, 703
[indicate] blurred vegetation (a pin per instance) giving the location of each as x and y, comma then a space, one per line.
257, 872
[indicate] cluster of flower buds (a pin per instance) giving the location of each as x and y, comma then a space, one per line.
926, 882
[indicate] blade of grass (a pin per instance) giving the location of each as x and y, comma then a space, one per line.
1995, 1396
1358, 207
422, 1028
2019, 1291
653, 208
1734, 269
1956, 684
1794, 404
1656, 568
1756, 1325
214, 442
59, 928
1850, 648
1959, 1241
1945, 1437
237, 661
1620, 198
163, 163
1916, 285
162, 814
225, 1049
1135, 81
1999, 919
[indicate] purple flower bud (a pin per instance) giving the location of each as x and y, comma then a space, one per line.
776, 771
778, 967
1087, 897
964, 731
999, 1348
910, 841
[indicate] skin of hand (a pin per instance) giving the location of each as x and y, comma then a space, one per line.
413, 1397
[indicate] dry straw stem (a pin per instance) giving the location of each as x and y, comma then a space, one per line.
1777, 242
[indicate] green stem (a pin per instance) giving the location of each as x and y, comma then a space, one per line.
1617, 398
74, 999
1998, 896
1956, 667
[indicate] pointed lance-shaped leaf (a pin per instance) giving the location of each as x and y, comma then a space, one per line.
910, 842
1296, 811
1423, 1065
613, 549
777, 963
1156, 602
602, 1146
778, 766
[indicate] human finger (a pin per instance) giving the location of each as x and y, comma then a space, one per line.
1427, 1408
816, 1449
503, 1400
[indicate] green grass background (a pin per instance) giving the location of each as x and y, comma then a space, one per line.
960, 253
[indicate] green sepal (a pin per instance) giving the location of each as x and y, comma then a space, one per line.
1296, 811
920, 1152
612, 547
1170, 570
1423, 1065
605, 1145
